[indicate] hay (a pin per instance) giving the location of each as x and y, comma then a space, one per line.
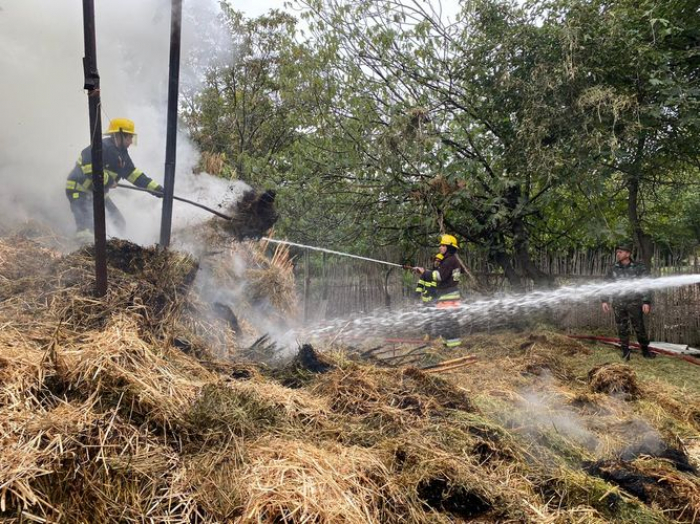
116, 410
614, 379
289, 481
271, 280
654, 482
246, 282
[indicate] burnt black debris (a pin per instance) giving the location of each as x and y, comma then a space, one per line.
652, 446
309, 360
226, 314
442, 495
253, 215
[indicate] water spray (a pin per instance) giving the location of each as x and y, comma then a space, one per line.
493, 312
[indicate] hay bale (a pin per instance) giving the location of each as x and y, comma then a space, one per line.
614, 379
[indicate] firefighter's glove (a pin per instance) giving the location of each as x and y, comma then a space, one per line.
158, 192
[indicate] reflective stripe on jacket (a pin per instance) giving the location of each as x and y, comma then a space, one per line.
447, 279
117, 166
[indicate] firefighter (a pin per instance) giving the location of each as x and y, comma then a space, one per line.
117, 165
631, 307
446, 279
427, 289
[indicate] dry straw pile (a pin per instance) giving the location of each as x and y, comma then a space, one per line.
105, 418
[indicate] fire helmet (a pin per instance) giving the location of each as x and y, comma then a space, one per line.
448, 240
121, 125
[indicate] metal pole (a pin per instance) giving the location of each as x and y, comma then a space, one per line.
92, 85
171, 137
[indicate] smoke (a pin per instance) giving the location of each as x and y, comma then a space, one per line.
542, 412
45, 113
45, 110
614, 429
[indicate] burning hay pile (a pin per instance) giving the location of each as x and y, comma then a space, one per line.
105, 419
244, 290
252, 216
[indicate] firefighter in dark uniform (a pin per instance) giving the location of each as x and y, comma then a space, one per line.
427, 289
446, 279
117, 166
629, 308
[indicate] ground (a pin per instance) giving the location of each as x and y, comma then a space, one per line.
106, 415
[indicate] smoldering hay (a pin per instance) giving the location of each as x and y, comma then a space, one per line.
105, 415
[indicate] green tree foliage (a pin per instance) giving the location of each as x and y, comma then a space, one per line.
638, 98
246, 112
518, 127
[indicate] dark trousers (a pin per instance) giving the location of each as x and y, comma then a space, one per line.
81, 208
627, 313
446, 306
83, 213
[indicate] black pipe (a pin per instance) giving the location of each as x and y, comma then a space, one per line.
197, 204
92, 85
171, 137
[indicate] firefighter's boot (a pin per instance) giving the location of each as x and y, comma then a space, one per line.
646, 353
85, 236
626, 353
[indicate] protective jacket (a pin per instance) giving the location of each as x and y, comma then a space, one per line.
446, 278
620, 272
426, 287
117, 166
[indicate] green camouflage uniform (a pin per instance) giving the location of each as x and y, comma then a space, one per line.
628, 307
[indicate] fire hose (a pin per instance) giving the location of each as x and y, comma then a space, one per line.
616, 341
222, 215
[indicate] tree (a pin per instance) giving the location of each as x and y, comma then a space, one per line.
519, 128
245, 115
638, 65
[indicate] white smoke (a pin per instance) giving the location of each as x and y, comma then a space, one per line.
543, 410
45, 109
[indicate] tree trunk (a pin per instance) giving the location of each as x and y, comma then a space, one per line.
521, 255
641, 238
503, 259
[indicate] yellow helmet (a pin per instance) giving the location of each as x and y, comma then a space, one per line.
448, 240
121, 125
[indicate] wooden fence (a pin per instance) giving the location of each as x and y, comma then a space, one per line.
338, 287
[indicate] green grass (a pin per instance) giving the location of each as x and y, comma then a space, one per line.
674, 371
